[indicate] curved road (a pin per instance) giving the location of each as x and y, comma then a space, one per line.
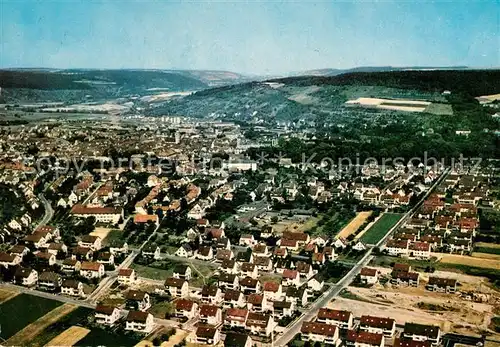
49, 212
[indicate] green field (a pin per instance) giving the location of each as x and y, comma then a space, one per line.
101, 337
22, 310
487, 250
378, 230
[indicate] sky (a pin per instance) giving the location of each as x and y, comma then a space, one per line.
259, 37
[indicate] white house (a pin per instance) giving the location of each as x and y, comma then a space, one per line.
139, 321
91, 270
127, 276
106, 315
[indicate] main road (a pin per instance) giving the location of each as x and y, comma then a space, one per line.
334, 290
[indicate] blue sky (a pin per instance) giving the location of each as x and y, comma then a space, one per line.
267, 37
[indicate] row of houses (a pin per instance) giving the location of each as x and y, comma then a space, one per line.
367, 331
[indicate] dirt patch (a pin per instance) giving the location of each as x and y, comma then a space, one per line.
470, 261
69, 337
101, 232
354, 224
27, 334
486, 256
7, 294
417, 305
179, 336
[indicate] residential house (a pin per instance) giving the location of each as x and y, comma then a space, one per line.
364, 339
422, 332
260, 324
57, 248
151, 251
397, 247
106, 258
7, 260
444, 285
229, 281
224, 254
185, 308
92, 242
234, 298
19, 250
118, 247
177, 287
82, 253
405, 278
49, 281
236, 317
261, 250
91, 270
305, 270
272, 290
37, 240
263, 263
45, 258
127, 276
229, 266
280, 252
210, 314
368, 275
329, 253
342, 319
211, 294
291, 245
72, 287
340, 242
70, 265
316, 283
291, 277
249, 270
318, 258
25, 276
247, 240
250, 285
257, 303
283, 308
296, 295
320, 332
106, 315
137, 300
139, 321
207, 335
378, 325
182, 271
420, 250
205, 253
184, 251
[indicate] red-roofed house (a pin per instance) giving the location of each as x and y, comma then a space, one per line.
342, 319
368, 275
320, 332
379, 325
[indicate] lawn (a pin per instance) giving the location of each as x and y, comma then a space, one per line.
161, 270
21, 311
152, 272
380, 228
